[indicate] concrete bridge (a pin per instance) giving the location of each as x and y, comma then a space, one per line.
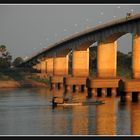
54, 60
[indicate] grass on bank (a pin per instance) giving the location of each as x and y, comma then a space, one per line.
39, 79
21, 75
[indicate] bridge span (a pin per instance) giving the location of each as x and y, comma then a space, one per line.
53, 62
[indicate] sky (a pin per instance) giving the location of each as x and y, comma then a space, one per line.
28, 28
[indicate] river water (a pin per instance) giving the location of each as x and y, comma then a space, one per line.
28, 111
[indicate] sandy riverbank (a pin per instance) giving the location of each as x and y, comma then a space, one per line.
19, 84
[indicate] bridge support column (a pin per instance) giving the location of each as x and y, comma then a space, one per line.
53, 86
77, 88
61, 85
128, 95
38, 66
50, 66
43, 66
93, 92
68, 88
80, 63
106, 60
103, 92
113, 92
34, 67
61, 66
136, 57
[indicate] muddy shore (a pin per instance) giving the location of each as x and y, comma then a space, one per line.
21, 84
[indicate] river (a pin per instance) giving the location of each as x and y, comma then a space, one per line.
28, 111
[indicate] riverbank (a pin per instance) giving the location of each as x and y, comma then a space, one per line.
21, 84
20, 79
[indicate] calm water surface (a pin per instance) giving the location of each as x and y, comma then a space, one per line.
29, 112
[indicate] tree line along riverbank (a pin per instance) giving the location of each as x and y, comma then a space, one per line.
21, 78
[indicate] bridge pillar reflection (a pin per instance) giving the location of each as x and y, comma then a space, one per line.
61, 66
135, 119
106, 60
80, 63
106, 118
136, 57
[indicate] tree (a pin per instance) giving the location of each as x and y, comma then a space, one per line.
17, 61
5, 57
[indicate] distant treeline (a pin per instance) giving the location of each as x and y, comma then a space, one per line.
6, 59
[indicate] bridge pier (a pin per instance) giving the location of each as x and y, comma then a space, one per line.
128, 95
136, 57
80, 63
68, 88
61, 66
113, 92
83, 88
103, 92
61, 85
104, 87
50, 66
106, 60
57, 82
59, 69
53, 86
37, 66
93, 92
77, 88
132, 89
43, 66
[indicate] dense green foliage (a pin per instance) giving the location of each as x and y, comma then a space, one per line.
17, 61
5, 57
13, 74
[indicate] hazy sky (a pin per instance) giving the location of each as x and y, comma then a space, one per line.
26, 29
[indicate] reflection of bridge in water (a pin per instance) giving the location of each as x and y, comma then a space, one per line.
112, 118
54, 61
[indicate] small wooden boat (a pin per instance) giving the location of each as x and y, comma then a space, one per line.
60, 101
68, 104
80, 103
